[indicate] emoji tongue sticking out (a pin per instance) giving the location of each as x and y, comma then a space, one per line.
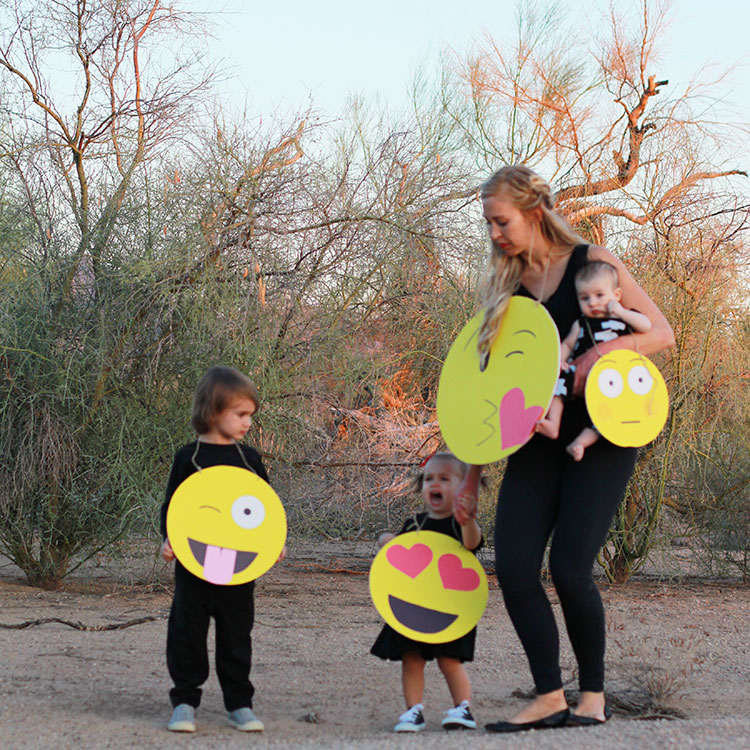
218, 564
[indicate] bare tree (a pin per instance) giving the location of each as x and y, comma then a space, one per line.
92, 97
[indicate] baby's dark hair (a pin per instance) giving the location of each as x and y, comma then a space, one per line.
440, 456
596, 268
214, 392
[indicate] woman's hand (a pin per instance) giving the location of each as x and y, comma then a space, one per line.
467, 496
586, 361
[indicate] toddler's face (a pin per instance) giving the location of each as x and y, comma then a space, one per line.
234, 421
439, 485
594, 295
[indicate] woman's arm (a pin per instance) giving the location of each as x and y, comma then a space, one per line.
659, 337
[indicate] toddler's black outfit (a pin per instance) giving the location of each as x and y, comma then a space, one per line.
392, 645
196, 601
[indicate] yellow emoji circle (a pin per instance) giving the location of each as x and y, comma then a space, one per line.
428, 586
626, 398
485, 416
226, 525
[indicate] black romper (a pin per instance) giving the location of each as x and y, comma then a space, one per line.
545, 490
390, 644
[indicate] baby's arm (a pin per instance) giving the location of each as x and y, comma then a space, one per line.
637, 321
568, 344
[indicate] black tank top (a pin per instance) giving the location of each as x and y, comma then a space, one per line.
563, 303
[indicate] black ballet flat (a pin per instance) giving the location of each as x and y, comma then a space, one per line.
588, 721
553, 721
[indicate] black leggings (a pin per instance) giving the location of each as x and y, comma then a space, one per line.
545, 490
233, 609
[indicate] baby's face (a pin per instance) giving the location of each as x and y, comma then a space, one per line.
594, 295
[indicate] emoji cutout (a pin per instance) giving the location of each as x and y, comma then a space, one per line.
428, 586
226, 525
485, 416
626, 398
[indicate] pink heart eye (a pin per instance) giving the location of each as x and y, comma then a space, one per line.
454, 576
410, 561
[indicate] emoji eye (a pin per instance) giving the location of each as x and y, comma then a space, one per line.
610, 383
248, 512
640, 380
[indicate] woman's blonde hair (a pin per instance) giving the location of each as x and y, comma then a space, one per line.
526, 190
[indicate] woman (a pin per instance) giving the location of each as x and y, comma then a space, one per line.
536, 253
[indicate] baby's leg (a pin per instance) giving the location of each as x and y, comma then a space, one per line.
587, 438
549, 426
457, 679
412, 677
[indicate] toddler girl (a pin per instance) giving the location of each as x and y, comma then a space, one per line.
437, 483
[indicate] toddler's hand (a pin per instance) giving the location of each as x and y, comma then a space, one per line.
282, 554
384, 538
465, 510
166, 551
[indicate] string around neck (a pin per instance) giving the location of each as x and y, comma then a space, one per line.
236, 444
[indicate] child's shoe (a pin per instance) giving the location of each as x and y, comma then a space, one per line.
183, 719
245, 720
412, 720
459, 717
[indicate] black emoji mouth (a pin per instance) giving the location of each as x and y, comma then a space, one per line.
421, 619
220, 564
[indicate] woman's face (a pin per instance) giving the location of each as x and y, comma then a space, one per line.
510, 230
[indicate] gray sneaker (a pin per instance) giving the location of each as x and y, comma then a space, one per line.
245, 720
183, 719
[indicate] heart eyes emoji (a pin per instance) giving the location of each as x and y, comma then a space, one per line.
414, 560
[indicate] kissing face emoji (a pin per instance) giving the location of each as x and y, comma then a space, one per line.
428, 587
626, 398
485, 416
226, 525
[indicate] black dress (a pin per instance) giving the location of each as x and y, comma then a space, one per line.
392, 645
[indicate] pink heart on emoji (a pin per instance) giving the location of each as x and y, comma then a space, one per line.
516, 421
455, 576
410, 561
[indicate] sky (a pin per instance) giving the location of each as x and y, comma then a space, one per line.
287, 54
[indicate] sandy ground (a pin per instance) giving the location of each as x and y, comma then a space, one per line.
674, 651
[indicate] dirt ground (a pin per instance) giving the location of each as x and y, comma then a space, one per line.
678, 665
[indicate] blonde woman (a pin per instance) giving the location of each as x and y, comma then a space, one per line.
536, 253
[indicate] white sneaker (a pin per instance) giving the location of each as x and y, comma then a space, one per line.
412, 720
245, 720
459, 717
183, 719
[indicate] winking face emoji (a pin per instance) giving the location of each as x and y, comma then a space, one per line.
226, 525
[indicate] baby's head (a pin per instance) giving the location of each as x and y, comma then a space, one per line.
596, 286
218, 390
438, 481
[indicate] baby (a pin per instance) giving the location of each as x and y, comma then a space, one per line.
603, 318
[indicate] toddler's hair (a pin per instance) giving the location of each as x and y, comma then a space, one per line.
596, 268
214, 392
441, 456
